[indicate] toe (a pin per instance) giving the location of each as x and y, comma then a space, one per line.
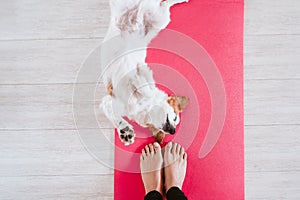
157, 147
178, 147
151, 148
144, 153
141, 157
185, 156
147, 150
181, 152
169, 147
174, 148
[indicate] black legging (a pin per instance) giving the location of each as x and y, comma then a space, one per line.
174, 193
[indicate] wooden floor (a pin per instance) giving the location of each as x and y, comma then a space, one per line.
42, 47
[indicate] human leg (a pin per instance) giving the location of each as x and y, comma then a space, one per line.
175, 163
151, 169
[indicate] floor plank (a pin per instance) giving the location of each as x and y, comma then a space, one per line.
273, 185
272, 17
269, 102
272, 148
51, 107
272, 57
45, 61
51, 94
35, 19
55, 152
73, 187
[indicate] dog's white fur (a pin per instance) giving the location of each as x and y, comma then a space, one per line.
133, 24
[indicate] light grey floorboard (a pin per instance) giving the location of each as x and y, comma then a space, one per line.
270, 102
55, 19
272, 17
272, 57
272, 149
273, 185
51, 107
54, 152
71, 187
45, 61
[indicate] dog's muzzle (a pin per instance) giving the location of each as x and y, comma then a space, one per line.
168, 127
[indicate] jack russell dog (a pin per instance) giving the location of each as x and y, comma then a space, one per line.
131, 89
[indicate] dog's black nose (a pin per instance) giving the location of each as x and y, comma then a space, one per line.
169, 128
172, 131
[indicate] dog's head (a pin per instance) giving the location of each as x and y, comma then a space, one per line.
165, 116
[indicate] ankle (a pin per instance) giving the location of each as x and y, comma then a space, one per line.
173, 186
151, 189
172, 181
155, 186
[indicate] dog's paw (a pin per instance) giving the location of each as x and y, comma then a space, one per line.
126, 135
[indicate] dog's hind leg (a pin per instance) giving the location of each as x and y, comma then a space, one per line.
125, 130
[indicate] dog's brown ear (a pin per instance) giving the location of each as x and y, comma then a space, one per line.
109, 88
178, 103
183, 102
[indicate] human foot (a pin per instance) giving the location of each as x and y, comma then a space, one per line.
151, 164
175, 162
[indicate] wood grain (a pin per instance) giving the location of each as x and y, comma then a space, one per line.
272, 148
55, 19
272, 17
273, 185
51, 107
271, 102
45, 61
272, 57
55, 152
71, 187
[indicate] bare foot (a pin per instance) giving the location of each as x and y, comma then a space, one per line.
175, 161
151, 168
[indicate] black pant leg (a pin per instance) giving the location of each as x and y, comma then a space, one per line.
174, 193
153, 195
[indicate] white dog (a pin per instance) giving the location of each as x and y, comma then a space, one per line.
131, 88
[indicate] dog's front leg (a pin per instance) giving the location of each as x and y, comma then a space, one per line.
125, 130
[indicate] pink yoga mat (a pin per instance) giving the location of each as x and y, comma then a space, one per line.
201, 57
